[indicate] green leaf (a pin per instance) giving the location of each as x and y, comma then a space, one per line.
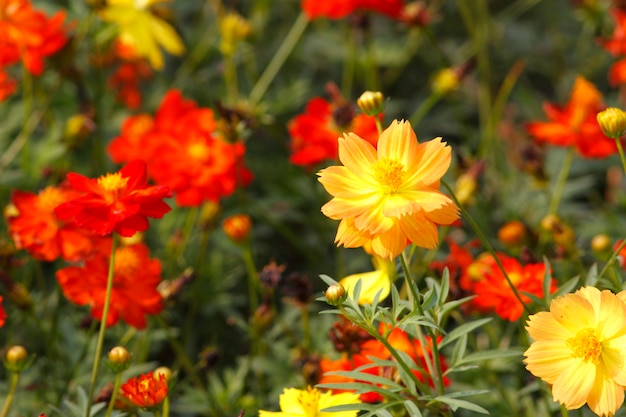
412, 409
463, 329
592, 276
328, 280
373, 379
459, 349
488, 355
570, 284
455, 404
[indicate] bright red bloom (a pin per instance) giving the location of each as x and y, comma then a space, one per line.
337, 9
576, 124
493, 293
126, 78
7, 85
145, 391
120, 202
135, 282
617, 73
37, 229
183, 151
616, 45
28, 35
3, 314
457, 262
314, 133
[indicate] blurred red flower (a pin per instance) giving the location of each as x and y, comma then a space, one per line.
493, 292
26, 34
314, 133
145, 391
575, 124
183, 151
616, 44
3, 314
36, 228
337, 9
7, 85
120, 202
135, 282
130, 72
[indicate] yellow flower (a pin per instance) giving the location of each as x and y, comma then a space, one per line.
580, 349
142, 30
310, 402
389, 195
372, 282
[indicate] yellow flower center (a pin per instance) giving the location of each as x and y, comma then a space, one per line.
113, 182
585, 345
126, 262
308, 401
389, 173
199, 151
49, 198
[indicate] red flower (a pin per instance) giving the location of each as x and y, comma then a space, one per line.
457, 262
314, 134
616, 45
120, 202
3, 314
147, 391
576, 124
27, 34
7, 85
183, 151
337, 9
135, 282
37, 229
493, 293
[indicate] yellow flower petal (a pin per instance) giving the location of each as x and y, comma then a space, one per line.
371, 284
357, 155
572, 387
433, 160
605, 397
398, 142
573, 312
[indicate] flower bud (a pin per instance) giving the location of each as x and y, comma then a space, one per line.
20, 296
600, 243
336, 294
233, 28
612, 121
237, 228
163, 370
16, 359
512, 233
371, 103
445, 81
119, 359
78, 128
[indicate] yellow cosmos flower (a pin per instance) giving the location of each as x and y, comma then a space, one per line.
389, 195
580, 349
142, 30
310, 402
372, 282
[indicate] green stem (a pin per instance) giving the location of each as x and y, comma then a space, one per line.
483, 239
612, 258
561, 181
379, 125
621, 153
166, 407
306, 329
116, 388
7, 403
230, 78
279, 58
424, 108
252, 278
103, 326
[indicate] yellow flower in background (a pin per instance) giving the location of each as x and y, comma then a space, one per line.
310, 402
142, 30
389, 195
580, 349
372, 282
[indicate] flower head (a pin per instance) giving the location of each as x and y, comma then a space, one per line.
579, 348
141, 29
338, 9
575, 124
146, 391
135, 281
389, 195
3, 314
120, 201
310, 403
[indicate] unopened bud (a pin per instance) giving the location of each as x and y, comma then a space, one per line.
371, 103
445, 81
163, 370
600, 243
20, 296
512, 233
612, 121
16, 359
119, 359
237, 228
336, 294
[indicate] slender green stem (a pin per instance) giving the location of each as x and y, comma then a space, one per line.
424, 108
103, 326
188, 228
306, 328
612, 258
379, 125
166, 407
561, 181
252, 278
116, 388
7, 403
483, 239
230, 78
279, 58
621, 153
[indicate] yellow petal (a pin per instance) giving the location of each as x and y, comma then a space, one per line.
398, 142
430, 163
573, 312
548, 359
166, 36
349, 236
447, 214
605, 397
391, 243
611, 316
420, 231
339, 181
573, 385
544, 326
371, 284
358, 156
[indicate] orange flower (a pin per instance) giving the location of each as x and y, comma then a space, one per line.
314, 134
28, 35
183, 151
120, 202
337, 9
135, 282
37, 229
494, 293
457, 262
7, 85
617, 73
389, 195
575, 124
146, 391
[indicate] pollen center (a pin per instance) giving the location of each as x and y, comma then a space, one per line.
113, 182
389, 173
308, 401
199, 151
126, 262
49, 198
585, 345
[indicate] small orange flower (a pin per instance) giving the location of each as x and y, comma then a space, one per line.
146, 391
135, 282
120, 202
237, 227
389, 195
576, 124
338, 9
